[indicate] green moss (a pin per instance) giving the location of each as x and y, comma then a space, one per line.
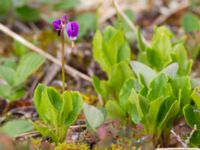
72, 146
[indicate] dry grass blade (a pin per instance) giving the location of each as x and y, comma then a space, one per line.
71, 71
128, 21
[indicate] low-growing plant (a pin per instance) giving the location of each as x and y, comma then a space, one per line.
15, 75
156, 94
57, 111
112, 53
164, 50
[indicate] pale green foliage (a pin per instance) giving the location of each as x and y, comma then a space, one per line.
15, 75
16, 127
112, 53
57, 112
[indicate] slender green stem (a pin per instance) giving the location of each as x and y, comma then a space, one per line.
63, 60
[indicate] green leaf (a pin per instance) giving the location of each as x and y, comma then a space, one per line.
171, 113
67, 107
77, 103
159, 87
100, 87
14, 128
159, 53
87, 22
98, 52
45, 131
54, 98
179, 55
37, 98
182, 83
28, 64
196, 96
133, 112
190, 22
27, 13
154, 108
16, 95
147, 73
128, 100
111, 48
118, 75
192, 116
44, 107
49, 112
125, 92
141, 44
144, 104
94, 116
4, 7
66, 4
194, 141
8, 62
5, 91
7, 74
19, 49
114, 45
115, 111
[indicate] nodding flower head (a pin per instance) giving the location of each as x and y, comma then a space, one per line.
72, 29
59, 23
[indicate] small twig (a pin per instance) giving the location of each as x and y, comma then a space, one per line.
179, 139
128, 21
163, 18
123, 15
187, 141
73, 72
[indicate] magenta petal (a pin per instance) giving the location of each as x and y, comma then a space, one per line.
72, 29
57, 24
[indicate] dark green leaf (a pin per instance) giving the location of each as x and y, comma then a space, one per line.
27, 13
5, 5
192, 116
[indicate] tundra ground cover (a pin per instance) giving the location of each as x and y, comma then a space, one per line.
114, 83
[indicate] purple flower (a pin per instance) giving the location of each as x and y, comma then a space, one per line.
72, 29
57, 24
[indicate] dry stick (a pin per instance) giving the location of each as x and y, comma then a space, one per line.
128, 21
178, 138
73, 72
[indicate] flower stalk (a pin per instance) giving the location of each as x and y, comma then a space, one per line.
72, 29
63, 58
